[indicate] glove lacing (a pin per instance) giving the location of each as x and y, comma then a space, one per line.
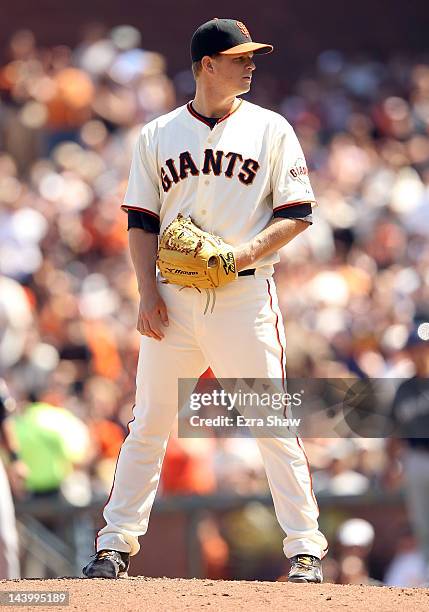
213, 293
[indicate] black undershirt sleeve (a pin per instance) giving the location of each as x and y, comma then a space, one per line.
299, 211
143, 221
148, 223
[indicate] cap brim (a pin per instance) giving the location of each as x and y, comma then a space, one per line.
246, 47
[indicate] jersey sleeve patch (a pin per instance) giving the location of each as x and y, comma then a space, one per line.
290, 180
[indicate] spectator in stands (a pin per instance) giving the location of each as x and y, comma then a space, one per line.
355, 538
53, 441
411, 415
408, 567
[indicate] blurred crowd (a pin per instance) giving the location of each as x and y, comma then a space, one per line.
352, 288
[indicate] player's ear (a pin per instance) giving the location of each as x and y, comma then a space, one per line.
207, 63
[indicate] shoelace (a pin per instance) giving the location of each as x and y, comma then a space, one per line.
105, 553
305, 562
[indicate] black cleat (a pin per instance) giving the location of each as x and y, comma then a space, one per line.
108, 564
305, 568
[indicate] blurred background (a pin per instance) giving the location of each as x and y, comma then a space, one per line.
76, 83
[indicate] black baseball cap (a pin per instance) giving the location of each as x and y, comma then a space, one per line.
224, 36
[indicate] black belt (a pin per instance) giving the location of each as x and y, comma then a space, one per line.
250, 272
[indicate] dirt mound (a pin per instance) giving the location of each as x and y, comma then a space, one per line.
165, 594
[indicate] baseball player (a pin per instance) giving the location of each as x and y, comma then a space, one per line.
239, 172
11, 478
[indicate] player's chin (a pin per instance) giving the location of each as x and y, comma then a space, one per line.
245, 86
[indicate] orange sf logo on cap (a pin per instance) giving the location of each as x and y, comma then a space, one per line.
243, 29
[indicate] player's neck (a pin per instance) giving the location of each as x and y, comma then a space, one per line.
213, 104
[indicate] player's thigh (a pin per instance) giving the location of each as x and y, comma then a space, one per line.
245, 335
162, 363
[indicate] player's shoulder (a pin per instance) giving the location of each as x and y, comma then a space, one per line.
163, 121
267, 116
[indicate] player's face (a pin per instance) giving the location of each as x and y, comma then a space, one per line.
233, 73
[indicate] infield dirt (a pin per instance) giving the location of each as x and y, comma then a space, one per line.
165, 594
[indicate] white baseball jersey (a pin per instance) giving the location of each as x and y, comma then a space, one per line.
230, 179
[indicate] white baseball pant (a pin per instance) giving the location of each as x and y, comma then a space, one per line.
242, 338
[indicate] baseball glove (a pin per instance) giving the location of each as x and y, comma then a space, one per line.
191, 257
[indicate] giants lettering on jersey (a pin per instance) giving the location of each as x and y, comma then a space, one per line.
215, 162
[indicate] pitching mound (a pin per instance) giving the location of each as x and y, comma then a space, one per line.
165, 594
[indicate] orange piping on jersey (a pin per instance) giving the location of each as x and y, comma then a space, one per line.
200, 118
232, 112
194, 114
125, 207
278, 337
114, 474
295, 203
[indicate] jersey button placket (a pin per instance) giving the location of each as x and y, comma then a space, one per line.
206, 204
199, 191
202, 196
208, 184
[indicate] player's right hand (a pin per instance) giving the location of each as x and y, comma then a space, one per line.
152, 314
